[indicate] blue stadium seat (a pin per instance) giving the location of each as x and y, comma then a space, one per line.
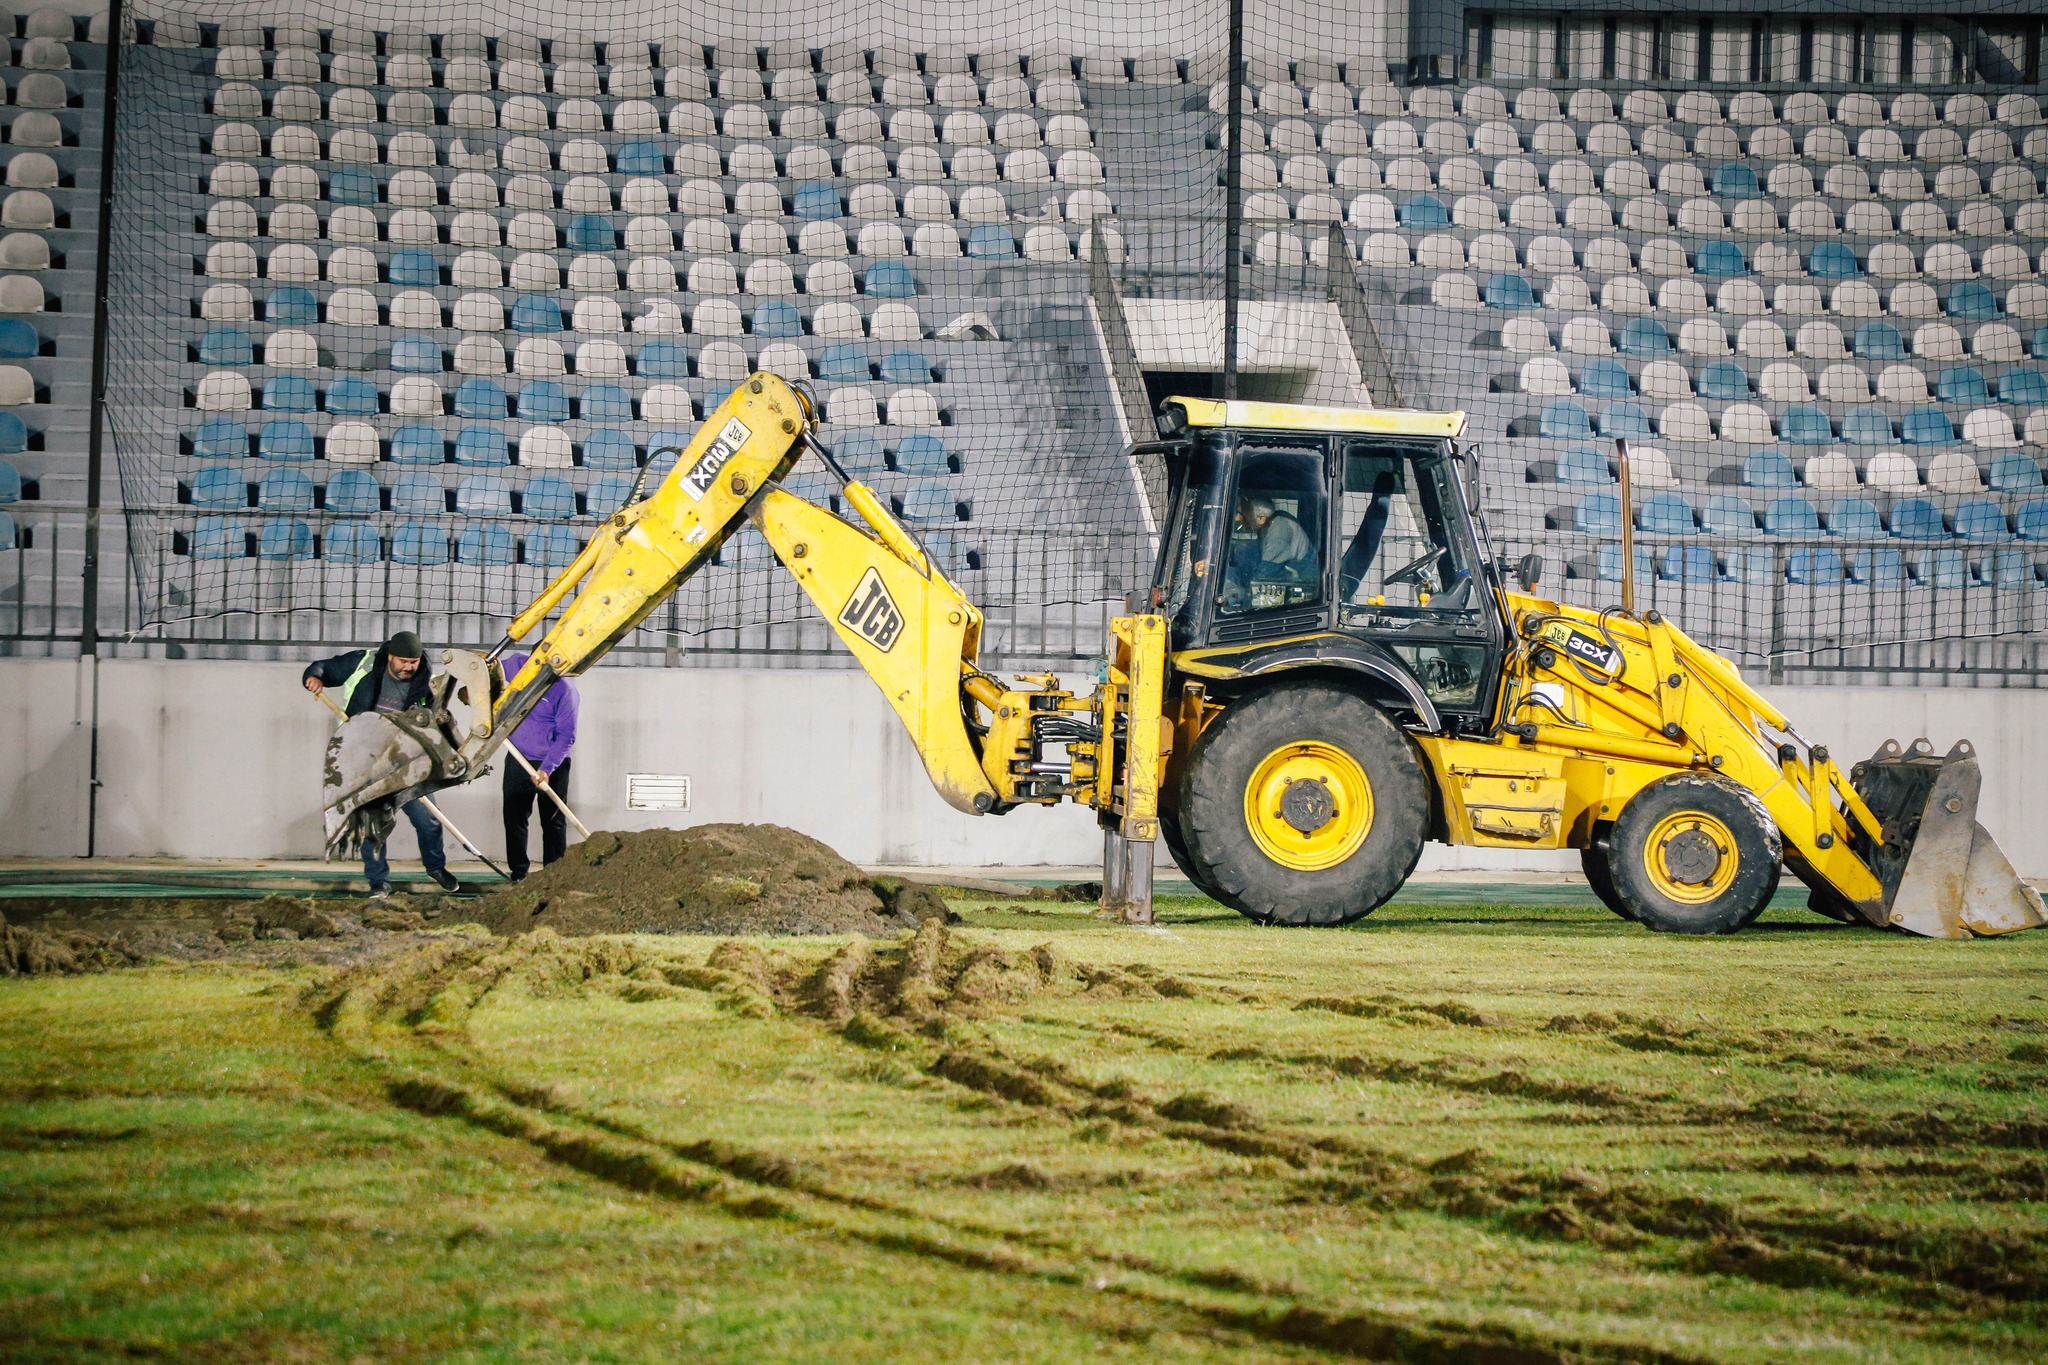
884, 280
541, 400
1565, 420
2031, 521
779, 319
481, 398
605, 403
2023, 386
1725, 380
1665, 513
1644, 337
1791, 515
220, 439
608, 494
416, 355
1609, 562
1833, 261
226, 346
416, 491
1583, 464
351, 542
906, 367
1917, 519
352, 185
287, 438
1881, 566
352, 395
352, 491
1509, 291
291, 305
285, 490
1605, 377
609, 448
922, 454
483, 495
1963, 384
218, 486
1425, 211
482, 446
662, 359
859, 453
666, 438
844, 364
2010, 570
1943, 569
289, 393
536, 313
1736, 181
1855, 519
1719, 259
418, 445
219, 538
284, 538
10, 482
1981, 519
1687, 564
1819, 565
14, 434
1726, 514
1972, 302
414, 266
2015, 473
18, 340
1806, 425
817, 199
590, 232
417, 543
927, 500
1627, 420
1878, 341
552, 547
1768, 469
991, 242
1927, 427
640, 158
1866, 426
2039, 347
548, 498
488, 544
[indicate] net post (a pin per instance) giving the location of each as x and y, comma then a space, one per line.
1628, 529
1233, 198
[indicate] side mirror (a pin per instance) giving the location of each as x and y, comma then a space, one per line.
1529, 571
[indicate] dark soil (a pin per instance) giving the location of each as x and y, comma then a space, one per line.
73, 935
713, 879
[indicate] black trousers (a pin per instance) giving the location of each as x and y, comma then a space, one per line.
520, 796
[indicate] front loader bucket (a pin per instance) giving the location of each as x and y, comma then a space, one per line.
375, 764
1944, 876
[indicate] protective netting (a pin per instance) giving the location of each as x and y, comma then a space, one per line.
404, 298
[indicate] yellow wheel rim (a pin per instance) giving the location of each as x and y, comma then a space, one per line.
1308, 805
1690, 857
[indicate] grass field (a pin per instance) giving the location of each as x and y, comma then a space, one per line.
1454, 1133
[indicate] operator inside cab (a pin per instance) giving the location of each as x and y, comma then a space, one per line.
1270, 550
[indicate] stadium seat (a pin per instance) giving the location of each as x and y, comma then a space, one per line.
1917, 519
1854, 518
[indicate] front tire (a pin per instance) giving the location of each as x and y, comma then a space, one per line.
1303, 805
1593, 860
1694, 854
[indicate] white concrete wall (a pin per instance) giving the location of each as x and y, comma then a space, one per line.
222, 759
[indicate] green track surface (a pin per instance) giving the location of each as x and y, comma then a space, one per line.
1488, 1132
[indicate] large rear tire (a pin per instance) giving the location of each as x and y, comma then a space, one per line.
1303, 805
1694, 854
1177, 847
1594, 862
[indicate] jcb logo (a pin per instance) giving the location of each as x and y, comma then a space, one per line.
872, 614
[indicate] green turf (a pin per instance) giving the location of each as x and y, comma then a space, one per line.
1455, 1132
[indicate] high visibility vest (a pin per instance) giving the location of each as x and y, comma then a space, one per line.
348, 689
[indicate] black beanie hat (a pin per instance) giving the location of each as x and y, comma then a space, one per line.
404, 645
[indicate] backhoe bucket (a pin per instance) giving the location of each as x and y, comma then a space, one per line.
378, 761
1944, 876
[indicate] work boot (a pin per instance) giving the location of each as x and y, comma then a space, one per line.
380, 891
446, 880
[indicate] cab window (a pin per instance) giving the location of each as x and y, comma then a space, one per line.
1274, 557
1405, 549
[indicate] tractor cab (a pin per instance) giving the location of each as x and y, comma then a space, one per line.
1334, 538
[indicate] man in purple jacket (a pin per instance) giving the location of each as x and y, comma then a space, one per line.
545, 737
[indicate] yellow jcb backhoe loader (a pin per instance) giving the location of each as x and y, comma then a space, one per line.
1326, 671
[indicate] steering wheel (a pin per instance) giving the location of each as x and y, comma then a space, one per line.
1416, 570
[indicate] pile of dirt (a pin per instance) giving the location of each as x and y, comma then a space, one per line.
713, 879
38, 952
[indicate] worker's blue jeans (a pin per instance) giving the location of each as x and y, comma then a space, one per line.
425, 828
